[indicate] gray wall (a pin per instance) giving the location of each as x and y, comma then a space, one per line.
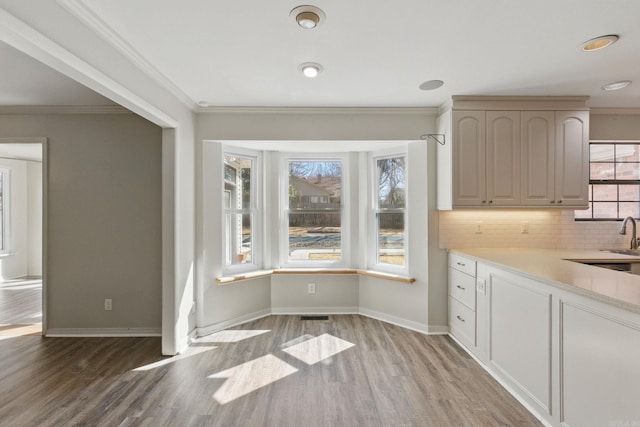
104, 218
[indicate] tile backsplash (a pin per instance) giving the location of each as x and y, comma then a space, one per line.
546, 229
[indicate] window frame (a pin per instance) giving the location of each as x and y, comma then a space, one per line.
255, 210
373, 251
5, 211
608, 182
345, 209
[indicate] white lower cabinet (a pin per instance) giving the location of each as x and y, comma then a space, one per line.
573, 361
462, 299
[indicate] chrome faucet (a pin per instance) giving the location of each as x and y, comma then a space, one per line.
623, 230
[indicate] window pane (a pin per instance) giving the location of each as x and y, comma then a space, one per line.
602, 171
605, 210
629, 209
238, 242
391, 182
601, 153
627, 153
629, 193
602, 193
315, 206
391, 242
315, 236
627, 171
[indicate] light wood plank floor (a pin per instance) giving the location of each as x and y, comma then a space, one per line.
21, 307
277, 371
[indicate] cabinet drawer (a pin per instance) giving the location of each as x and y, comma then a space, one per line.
463, 264
462, 322
463, 288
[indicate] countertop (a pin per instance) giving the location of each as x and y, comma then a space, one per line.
552, 266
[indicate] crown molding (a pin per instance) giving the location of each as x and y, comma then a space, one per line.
24, 38
422, 111
63, 109
464, 102
86, 15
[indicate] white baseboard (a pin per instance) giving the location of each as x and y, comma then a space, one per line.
398, 321
103, 332
217, 327
314, 310
438, 330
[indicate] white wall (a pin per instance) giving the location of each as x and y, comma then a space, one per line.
13, 264
34, 218
104, 219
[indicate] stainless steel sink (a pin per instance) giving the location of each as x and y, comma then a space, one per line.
632, 252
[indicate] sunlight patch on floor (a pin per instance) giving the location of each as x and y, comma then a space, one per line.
231, 335
316, 349
8, 330
250, 376
192, 351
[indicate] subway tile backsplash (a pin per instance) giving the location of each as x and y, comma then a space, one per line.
553, 229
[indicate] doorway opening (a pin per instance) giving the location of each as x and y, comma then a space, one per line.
22, 205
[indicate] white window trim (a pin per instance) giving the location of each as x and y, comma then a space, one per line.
283, 204
373, 232
5, 243
257, 209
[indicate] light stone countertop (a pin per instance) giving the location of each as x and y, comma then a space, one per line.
551, 266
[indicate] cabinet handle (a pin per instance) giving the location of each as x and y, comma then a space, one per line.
559, 201
460, 287
553, 201
460, 264
459, 318
484, 201
490, 201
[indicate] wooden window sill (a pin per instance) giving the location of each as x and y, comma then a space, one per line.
263, 273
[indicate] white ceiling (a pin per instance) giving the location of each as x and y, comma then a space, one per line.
374, 53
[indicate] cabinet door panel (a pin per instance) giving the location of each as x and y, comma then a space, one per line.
572, 158
503, 158
469, 158
520, 336
538, 152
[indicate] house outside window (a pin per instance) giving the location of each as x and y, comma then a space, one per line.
314, 212
614, 181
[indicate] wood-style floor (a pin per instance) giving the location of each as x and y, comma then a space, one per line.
277, 371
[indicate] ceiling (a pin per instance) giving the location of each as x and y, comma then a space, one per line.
374, 53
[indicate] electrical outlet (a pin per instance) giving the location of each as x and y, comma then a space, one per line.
478, 228
311, 288
524, 228
108, 304
481, 286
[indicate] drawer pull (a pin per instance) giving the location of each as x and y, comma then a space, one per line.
460, 287
461, 264
459, 318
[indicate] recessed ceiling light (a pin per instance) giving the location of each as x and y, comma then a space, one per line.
310, 69
431, 84
617, 85
307, 16
599, 43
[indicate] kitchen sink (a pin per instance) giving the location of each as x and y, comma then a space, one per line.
632, 252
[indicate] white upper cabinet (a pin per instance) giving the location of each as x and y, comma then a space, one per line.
514, 152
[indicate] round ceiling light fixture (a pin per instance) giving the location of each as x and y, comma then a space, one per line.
616, 85
599, 43
431, 85
310, 69
307, 17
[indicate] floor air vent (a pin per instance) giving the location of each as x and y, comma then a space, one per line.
314, 317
